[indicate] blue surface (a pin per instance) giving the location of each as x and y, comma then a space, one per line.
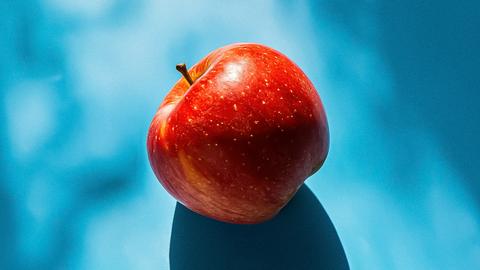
80, 81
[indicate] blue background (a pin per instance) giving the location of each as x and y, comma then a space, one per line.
81, 80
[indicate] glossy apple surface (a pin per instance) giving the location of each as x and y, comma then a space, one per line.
238, 143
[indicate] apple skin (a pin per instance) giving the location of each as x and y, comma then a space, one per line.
238, 143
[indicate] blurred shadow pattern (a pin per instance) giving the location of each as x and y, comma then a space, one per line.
300, 237
433, 49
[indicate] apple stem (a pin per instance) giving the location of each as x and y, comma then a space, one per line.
182, 68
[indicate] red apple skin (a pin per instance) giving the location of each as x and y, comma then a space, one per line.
238, 143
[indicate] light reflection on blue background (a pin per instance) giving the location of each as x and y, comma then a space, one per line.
80, 81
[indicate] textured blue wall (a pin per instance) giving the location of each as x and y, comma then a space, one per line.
80, 81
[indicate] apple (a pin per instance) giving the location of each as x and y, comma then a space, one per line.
238, 134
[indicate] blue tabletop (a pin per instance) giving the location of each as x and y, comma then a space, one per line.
81, 80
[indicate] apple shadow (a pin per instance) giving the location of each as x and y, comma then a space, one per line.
301, 236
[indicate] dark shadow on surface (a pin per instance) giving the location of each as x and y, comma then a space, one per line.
301, 236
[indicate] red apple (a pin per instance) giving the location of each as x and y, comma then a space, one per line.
239, 134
